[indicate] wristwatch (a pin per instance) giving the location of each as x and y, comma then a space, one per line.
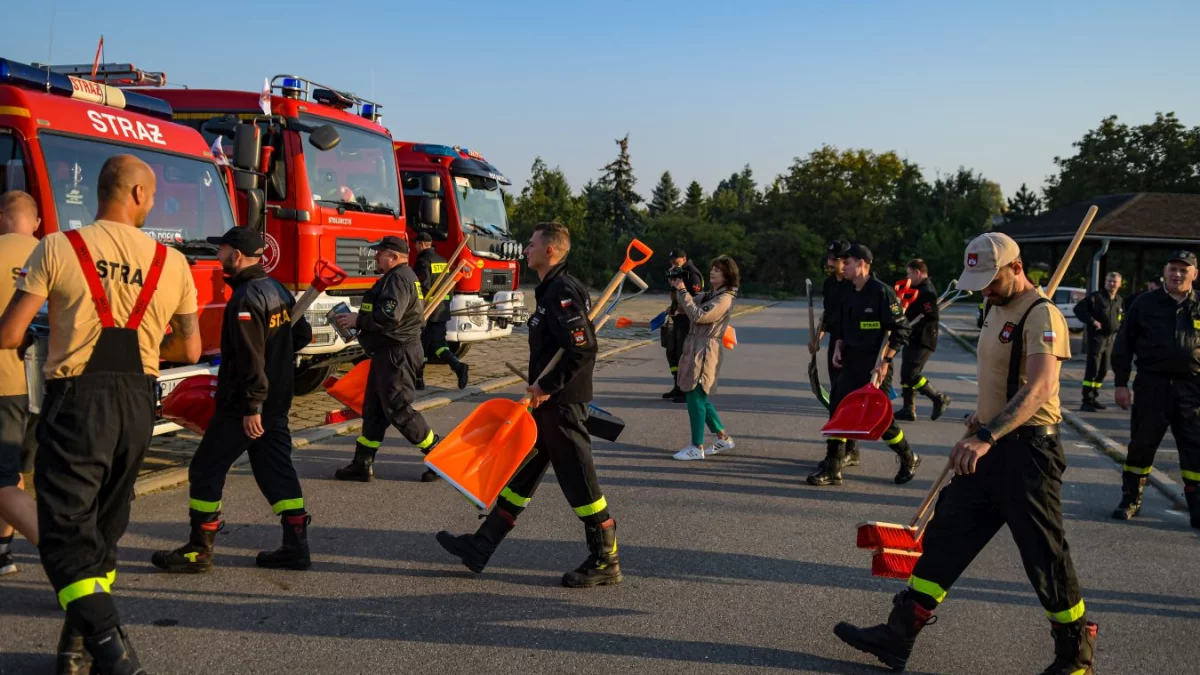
985, 435
888, 359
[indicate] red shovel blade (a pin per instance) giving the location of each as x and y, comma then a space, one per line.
863, 415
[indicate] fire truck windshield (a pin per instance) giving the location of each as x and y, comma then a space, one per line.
359, 174
190, 201
481, 204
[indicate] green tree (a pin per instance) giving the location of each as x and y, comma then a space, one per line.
665, 197
735, 197
1024, 204
694, 203
613, 199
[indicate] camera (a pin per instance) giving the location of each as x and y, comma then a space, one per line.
677, 273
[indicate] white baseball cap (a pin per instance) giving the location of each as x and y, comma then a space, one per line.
984, 257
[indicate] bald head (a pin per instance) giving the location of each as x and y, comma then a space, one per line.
125, 190
18, 213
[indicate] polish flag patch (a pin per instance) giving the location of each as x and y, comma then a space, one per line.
566, 302
244, 316
1049, 336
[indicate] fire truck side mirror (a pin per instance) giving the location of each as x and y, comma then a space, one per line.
431, 211
431, 183
324, 137
255, 209
247, 147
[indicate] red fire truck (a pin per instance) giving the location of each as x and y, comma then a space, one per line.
56, 131
453, 194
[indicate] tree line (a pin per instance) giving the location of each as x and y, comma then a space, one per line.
778, 231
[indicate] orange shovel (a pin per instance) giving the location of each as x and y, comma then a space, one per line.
351, 388
865, 413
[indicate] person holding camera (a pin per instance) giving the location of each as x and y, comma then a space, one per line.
708, 315
677, 326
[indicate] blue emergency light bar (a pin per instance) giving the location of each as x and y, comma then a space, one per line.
430, 149
36, 79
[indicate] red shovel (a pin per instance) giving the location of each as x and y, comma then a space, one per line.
865, 413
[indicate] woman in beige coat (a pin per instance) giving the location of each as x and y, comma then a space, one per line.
710, 313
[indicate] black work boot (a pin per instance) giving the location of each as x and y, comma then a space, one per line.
474, 550
73, 658
829, 471
674, 388
112, 653
1192, 494
851, 453
429, 475
419, 384
1132, 485
909, 461
194, 557
602, 568
293, 554
891, 642
459, 368
940, 400
1074, 648
1090, 404
908, 413
361, 468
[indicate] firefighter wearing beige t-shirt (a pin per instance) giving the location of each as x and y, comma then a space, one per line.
112, 292
18, 221
1008, 473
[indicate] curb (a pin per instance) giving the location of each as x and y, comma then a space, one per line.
1114, 450
170, 478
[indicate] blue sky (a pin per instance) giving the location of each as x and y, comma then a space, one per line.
702, 87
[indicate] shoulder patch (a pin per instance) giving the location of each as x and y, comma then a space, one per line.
566, 302
389, 307
896, 309
579, 336
1006, 332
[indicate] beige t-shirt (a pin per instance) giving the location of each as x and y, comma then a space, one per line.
14, 251
122, 255
1045, 333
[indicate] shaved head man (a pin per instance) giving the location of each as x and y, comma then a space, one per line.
18, 213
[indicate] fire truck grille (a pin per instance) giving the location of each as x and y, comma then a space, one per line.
495, 280
355, 256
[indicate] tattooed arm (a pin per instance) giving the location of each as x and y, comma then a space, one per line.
183, 344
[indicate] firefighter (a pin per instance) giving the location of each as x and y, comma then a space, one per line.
921, 345
675, 330
389, 324
560, 400
833, 293
1162, 332
254, 394
1100, 313
112, 292
867, 311
18, 221
1009, 471
429, 269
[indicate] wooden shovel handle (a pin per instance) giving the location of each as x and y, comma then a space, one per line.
1070, 254
930, 497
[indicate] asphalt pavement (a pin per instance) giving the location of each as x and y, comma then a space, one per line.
732, 565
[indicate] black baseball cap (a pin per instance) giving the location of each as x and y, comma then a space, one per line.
1185, 257
837, 249
676, 253
861, 252
392, 243
244, 240
425, 237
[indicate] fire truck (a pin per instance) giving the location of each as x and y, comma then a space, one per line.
454, 194
56, 131
329, 189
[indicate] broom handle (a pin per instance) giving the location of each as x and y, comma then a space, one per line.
1066, 259
929, 499
879, 358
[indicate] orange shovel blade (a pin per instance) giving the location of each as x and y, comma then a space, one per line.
729, 339
624, 322
874, 534
893, 564
350, 388
481, 455
864, 414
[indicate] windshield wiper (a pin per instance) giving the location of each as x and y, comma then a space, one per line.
383, 208
342, 203
197, 245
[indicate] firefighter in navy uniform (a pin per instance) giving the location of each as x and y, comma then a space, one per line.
429, 270
1100, 313
560, 399
921, 345
1162, 332
1009, 472
833, 293
254, 394
867, 312
678, 325
389, 324
112, 292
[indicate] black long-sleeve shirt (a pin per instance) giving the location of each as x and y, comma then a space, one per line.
925, 305
1162, 334
390, 313
833, 294
694, 282
866, 314
258, 346
561, 322
429, 270
1098, 306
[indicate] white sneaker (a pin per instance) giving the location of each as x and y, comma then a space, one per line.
721, 445
690, 453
